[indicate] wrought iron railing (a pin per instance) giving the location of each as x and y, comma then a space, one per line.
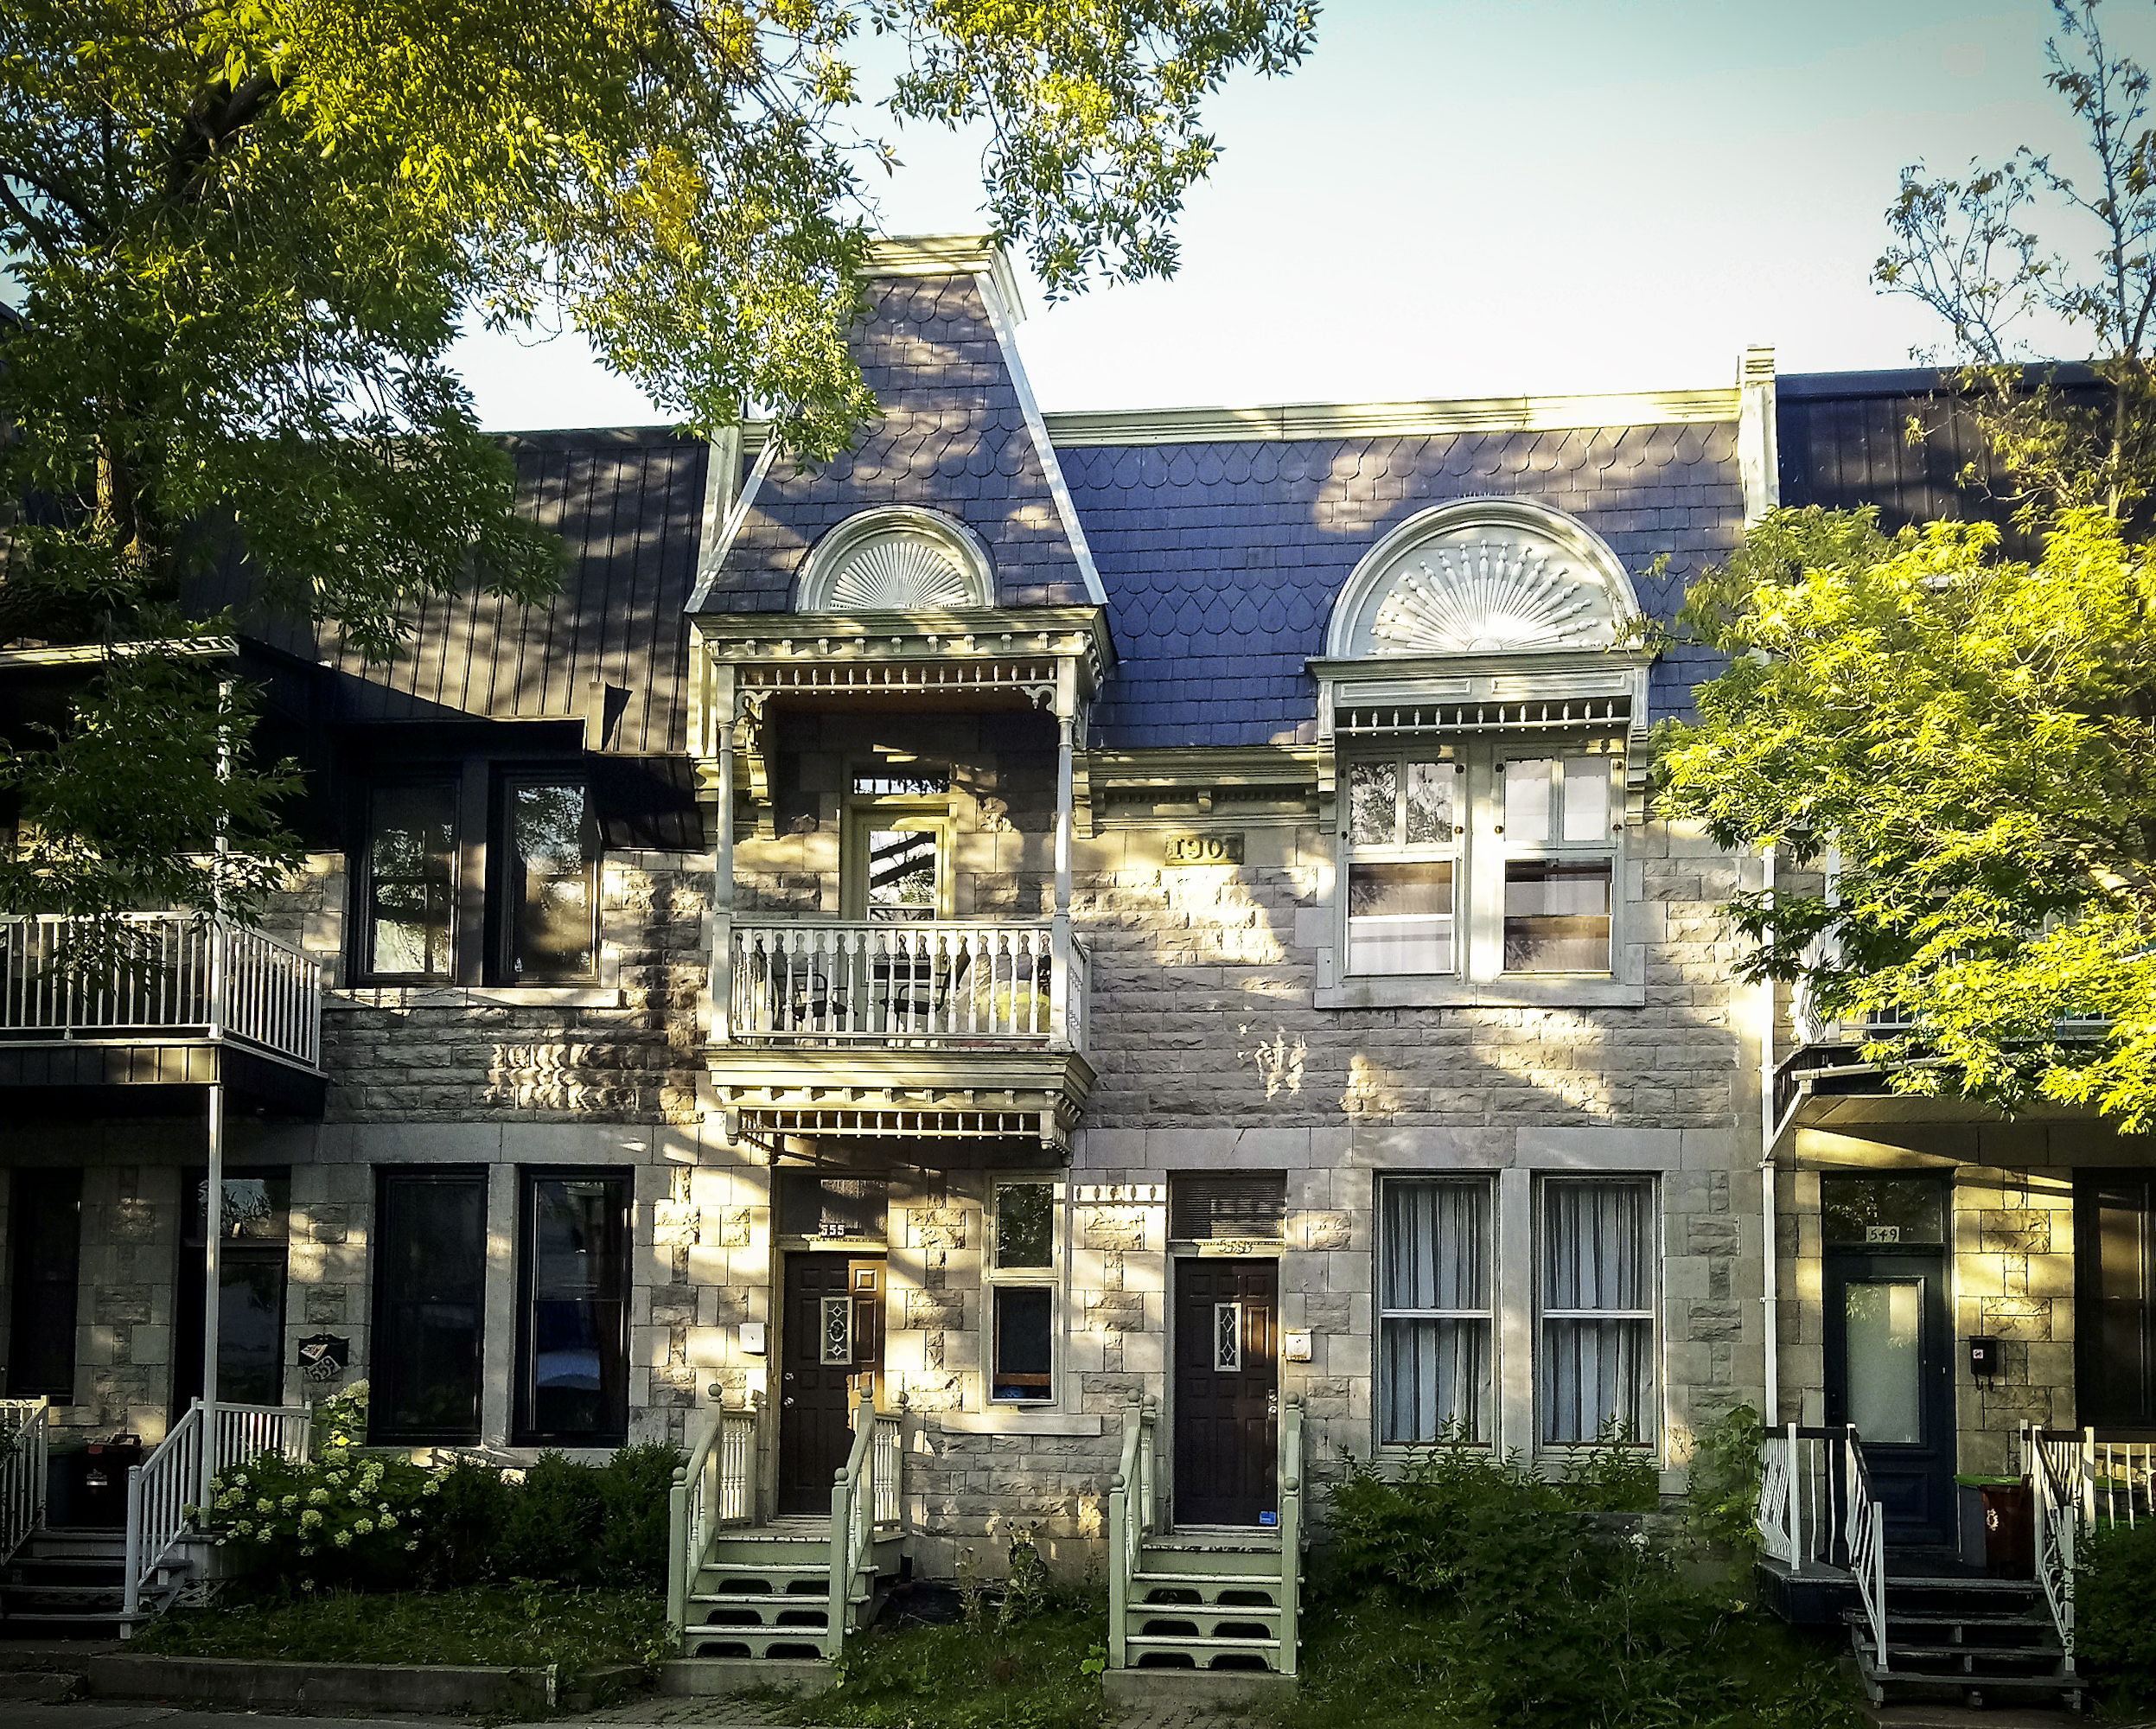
1131, 1517
2057, 1519
1866, 1522
186, 978
24, 1427
905, 984
2111, 1477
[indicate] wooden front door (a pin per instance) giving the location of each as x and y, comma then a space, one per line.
832, 1349
1228, 1392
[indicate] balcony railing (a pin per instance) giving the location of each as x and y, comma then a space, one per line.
942, 984
189, 978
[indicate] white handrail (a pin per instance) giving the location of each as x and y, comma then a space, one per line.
1866, 1525
28, 1426
1129, 1522
852, 1523
188, 976
686, 1501
1291, 1532
2056, 1522
1800, 1517
245, 1432
160, 1495
889, 1460
1775, 1516
856, 981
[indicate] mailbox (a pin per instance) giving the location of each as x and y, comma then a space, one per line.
752, 1338
1983, 1358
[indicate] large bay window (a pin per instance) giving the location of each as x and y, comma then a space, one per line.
1596, 1379
1434, 1310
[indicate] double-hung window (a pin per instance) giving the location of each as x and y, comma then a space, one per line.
550, 887
1560, 863
1404, 829
1597, 1304
411, 893
1434, 1309
1022, 1294
572, 1333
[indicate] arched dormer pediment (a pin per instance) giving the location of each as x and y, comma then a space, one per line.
1485, 576
896, 558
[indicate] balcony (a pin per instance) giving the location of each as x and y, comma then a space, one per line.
202, 1002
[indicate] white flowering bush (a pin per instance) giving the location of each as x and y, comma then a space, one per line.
349, 1518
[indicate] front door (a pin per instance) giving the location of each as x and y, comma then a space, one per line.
833, 1348
1228, 1392
1890, 1373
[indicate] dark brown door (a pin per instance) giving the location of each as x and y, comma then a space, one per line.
1228, 1389
833, 1348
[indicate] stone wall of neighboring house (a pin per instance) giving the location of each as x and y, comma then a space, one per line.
2013, 1280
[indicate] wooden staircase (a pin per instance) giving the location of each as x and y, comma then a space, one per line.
1987, 1639
1202, 1599
75, 1581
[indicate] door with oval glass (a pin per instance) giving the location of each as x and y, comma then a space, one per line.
833, 1351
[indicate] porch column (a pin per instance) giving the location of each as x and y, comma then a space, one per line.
213, 1263
721, 969
1059, 930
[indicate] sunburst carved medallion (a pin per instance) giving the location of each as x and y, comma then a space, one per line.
900, 573
1488, 595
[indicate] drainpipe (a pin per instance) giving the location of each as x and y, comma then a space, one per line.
213, 1200
1770, 1413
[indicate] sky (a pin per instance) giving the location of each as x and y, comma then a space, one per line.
1512, 197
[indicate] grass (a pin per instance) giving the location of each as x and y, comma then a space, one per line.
515, 1626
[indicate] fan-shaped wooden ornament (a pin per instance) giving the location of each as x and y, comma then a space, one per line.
900, 573
1485, 596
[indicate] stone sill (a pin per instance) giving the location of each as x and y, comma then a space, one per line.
473, 996
1021, 1420
1421, 993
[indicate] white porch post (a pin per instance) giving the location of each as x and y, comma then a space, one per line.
213, 1262
723, 860
1066, 798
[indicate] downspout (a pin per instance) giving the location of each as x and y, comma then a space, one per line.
1771, 1402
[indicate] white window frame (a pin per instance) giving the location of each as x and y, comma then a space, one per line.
1651, 1251
997, 1279
1556, 848
1492, 1399
1451, 849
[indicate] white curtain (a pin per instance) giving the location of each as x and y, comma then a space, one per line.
1598, 1255
1434, 1368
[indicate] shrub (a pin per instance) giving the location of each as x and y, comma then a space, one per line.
2115, 1608
1722, 1493
345, 1520
460, 1544
556, 1519
633, 1488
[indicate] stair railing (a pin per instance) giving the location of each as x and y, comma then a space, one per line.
2056, 1519
1130, 1521
160, 1493
1866, 1522
245, 1432
852, 1523
1799, 1519
1291, 1530
688, 1502
2111, 1478
1775, 1516
28, 1427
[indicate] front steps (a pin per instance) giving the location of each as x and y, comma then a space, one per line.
1983, 1640
1198, 1601
75, 1581
763, 1593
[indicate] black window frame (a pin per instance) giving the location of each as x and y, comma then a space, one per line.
2092, 1407
65, 1184
524, 1431
386, 1329
361, 950
504, 864
240, 1252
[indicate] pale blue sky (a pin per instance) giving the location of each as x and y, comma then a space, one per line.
1454, 199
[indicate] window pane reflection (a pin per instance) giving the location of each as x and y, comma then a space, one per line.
411, 867
576, 1379
1556, 917
553, 882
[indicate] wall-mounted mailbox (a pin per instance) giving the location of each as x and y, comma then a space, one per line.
1299, 1347
752, 1338
1983, 1356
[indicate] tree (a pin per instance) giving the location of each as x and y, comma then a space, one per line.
1976, 737
242, 237
1965, 248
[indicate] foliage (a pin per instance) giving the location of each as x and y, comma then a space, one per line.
243, 237
2114, 1610
1033, 1675
1026, 1587
377, 1521
521, 1625
1722, 1483
1966, 248
1975, 735
1471, 1591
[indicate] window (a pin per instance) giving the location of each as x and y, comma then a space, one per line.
45, 1225
1434, 1315
550, 888
1557, 900
1240, 1207
411, 882
2116, 1326
254, 1221
1022, 1294
1597, 1252
572, 1334
813, 1206
898, 841
430, 1296
1403, 827
1461, 859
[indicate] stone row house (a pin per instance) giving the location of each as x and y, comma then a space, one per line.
1044, 917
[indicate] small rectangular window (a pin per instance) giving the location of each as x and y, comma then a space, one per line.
1024, 1344
429, 1305
1025, 1225
1403, 828
1246, 1206
1399, 917
1598, 1296
550, 883
1557, 916
572, 1381
411, 882
1434, 1309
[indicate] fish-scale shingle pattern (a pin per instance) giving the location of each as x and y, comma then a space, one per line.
1221, 560
953, 438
